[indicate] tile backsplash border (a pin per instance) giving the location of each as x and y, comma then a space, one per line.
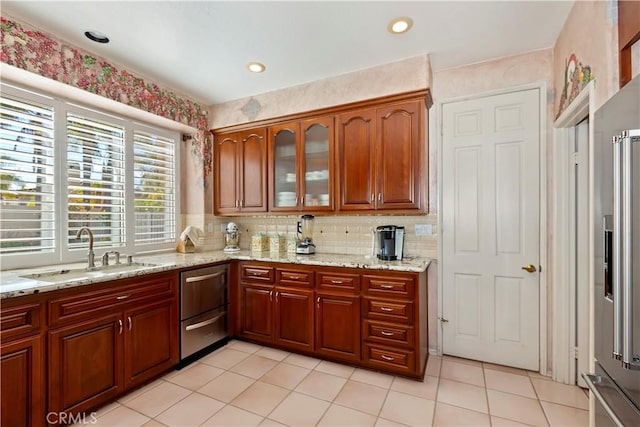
338, 234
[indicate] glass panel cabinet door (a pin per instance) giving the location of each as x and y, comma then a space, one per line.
316, 189
284, 166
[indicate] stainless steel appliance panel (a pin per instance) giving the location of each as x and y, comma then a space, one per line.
617, 242
202, 290
613, 407
203, 330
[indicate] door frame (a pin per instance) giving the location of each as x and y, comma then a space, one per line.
564, 298
542, 88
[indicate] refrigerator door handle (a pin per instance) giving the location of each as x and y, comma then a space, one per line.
616, 266
627, 139
592, 382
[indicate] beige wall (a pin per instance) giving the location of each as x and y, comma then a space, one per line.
396, 77
591, 32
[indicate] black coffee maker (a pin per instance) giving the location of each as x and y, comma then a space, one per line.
390, 242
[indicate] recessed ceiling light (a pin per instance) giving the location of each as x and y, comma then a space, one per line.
256, 67
400, 25
96, 36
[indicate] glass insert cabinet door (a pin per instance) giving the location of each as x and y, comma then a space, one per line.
315, 190
285, 167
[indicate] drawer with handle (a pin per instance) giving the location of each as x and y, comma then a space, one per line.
252, 272
92, 303
21, 320
388, 333
297, 278
394, 311
390, 359
389, 287
338, 281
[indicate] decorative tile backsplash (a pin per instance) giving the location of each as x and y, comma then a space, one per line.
331, 234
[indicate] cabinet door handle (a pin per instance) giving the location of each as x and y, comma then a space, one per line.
318, 302
387, 309
122, 297
129, 321
385, 357
294, 277
277, 296
237, 203
372, 197
387, 334
242, 203
120, 327
337, 282
271, 296
379, 197
383, 286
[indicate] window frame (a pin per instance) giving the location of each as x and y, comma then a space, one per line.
62, 253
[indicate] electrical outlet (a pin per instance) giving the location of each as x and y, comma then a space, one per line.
424, 230
210, 227
223, 227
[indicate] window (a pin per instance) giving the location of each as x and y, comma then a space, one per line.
27, 177
63, 167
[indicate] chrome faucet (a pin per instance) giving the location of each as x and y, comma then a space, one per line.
90, 255
105, 257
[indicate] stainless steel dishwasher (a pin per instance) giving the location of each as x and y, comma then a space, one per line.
204, 308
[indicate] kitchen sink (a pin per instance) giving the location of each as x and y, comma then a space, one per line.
66, 275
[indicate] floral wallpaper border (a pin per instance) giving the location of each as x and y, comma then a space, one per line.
34, 51
576, 77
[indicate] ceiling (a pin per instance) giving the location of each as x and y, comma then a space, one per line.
201, 48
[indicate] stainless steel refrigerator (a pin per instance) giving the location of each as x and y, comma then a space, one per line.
616, 381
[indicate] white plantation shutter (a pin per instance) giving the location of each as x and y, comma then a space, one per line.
64, 166
27, 199
154, 188
95, 182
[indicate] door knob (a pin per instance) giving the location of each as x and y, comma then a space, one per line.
529, 268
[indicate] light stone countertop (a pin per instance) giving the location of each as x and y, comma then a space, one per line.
13, 283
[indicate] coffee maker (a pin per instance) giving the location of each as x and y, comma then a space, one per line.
390, 242
305, 233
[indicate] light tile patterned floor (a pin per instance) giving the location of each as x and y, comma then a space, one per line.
244, 384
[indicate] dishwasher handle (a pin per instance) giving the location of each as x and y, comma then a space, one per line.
205, 322
204, 277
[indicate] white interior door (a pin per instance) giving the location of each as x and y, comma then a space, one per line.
490, 228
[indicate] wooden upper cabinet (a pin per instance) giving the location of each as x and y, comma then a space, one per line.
381, 159
356, 160
253, 171
284, 167
240, 172
398, 156
362, 157
301, 165
316, 164
226, 173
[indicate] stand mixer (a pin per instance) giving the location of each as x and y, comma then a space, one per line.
231, 238
305, 232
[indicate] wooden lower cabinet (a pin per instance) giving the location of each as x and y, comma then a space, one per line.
376, 319
22, 382
256, 312
294, 318
338, 326
85, 364
65, 353
151, 341
277, 315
